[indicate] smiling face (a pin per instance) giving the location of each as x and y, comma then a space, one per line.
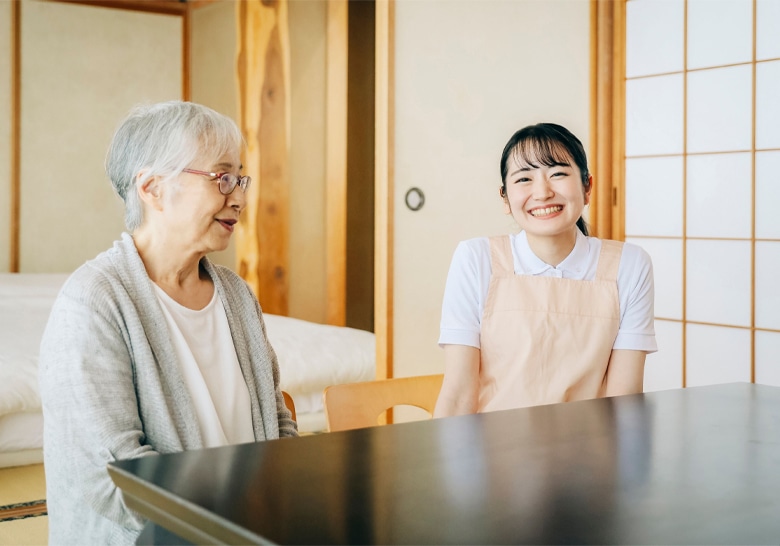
545, 195
200, 217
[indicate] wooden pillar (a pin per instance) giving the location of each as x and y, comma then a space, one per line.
336, 161
16, 135
384, 144
262, 237
608, 85
186, 60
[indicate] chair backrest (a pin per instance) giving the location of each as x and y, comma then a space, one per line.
358, 405
288, 401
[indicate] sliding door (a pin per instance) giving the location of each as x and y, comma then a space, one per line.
467, 76
702, 157
82, 69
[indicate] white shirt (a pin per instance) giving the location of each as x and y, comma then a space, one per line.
469, 278
210, 368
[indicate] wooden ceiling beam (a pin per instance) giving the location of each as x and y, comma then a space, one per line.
167, 7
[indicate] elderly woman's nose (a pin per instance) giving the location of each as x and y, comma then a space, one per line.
237, 198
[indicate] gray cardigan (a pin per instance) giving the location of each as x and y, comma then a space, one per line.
111, 389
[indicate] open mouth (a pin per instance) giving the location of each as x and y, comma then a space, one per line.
546, 211
227, 224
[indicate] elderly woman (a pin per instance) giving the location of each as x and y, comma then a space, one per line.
151, 348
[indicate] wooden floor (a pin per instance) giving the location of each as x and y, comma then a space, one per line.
22, 489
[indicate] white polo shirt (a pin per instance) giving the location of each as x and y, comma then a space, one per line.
469, 278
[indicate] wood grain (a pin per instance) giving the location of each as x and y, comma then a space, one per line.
608, 57
262, 237
384, 187
336, 161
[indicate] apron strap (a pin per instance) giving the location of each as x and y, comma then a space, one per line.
501, 261
609, 260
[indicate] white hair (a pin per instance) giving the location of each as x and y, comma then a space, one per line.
161, 140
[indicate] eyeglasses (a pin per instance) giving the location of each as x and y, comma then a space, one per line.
227, 181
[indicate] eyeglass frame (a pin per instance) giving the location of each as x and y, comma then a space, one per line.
243, 181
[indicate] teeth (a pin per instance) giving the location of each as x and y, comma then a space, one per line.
546, 211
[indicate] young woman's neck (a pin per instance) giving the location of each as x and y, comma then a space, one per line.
553, 249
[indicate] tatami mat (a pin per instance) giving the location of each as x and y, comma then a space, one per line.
25, 532
22, 484
18, 485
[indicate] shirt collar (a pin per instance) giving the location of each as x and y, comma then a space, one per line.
528, 263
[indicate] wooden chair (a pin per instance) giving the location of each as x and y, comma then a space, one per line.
358, 405
288, 401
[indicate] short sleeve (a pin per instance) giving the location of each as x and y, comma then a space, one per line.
637, 296
464, 293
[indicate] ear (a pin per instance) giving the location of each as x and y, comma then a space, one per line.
502, 193
589, 189
149, 191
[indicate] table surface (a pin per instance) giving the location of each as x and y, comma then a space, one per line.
692, 466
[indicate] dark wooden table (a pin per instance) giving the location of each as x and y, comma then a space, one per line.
690, 466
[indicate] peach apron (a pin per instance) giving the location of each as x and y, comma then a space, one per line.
546, 340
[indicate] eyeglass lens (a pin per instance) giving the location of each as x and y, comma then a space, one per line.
228, 182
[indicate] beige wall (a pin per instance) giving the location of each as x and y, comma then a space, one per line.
457, 100
83, 67
469, 74
308, 290
213, 73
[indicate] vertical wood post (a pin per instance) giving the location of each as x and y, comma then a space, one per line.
336, 161
384, 186
16, 135
186, 60
608, 82
262, 237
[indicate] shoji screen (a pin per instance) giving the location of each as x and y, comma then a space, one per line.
703, 184
82, 68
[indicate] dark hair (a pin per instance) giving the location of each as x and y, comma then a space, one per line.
548, 144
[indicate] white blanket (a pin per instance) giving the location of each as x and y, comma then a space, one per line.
311, 356
25, 303
314, 356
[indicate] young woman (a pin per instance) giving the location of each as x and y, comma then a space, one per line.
549, 314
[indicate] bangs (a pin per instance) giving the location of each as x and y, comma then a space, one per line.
207, 138
537, 151
216, 137
220, 139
